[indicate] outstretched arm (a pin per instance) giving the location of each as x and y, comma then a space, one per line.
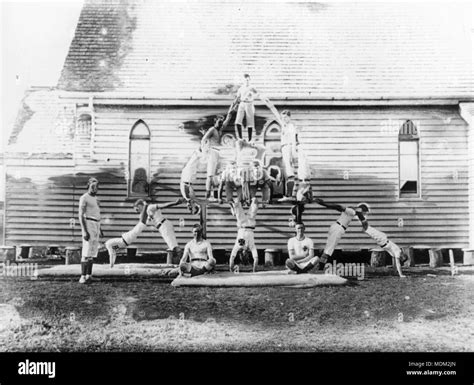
399, 268
273, 109
185, 256
177, 202
363, 220
207, 135
333, 206
144, 214
270, 106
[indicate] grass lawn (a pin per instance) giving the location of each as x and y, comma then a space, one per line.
380, 313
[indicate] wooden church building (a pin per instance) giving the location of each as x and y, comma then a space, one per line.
383, 93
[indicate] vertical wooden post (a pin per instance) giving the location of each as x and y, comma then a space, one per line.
436, 257
203, 219
451, 262
410, 262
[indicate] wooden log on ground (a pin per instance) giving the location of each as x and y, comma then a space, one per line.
436, 257
378, 257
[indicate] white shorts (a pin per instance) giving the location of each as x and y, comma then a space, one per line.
199, 264
248, 236
393, 250
336, 231
90, 248
248, 110
378, 236
212, 161
287, 155
132, 235
167, 232
304, 171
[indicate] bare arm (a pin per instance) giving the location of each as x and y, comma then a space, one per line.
363, 220
333, 206
207, 135
82, 219
291, 250
185, 256
309, 257
220, 188
300, 258
144, 214
399, 268
210, 256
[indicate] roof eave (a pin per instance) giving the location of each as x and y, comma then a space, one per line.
120, 98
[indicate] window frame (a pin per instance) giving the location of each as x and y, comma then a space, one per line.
409, 137
130, 193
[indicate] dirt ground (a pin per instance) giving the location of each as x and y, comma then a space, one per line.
380, 313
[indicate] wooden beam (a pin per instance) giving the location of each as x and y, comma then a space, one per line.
110, 98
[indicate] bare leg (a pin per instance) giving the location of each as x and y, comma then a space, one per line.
290, 264
290, 186
238, 131
255, 258
233, 254
229, 191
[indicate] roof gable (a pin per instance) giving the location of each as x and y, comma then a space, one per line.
292, 49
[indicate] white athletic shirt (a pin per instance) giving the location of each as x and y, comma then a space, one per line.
288, 134
246, 93
300, 247
90, 206
346, 216
155, 216
379, 237
189, 172
198, 250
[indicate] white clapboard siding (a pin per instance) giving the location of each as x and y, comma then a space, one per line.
361, 143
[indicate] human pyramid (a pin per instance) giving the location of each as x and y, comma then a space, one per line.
245, 175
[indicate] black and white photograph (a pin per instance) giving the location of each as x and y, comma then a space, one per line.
239, 176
